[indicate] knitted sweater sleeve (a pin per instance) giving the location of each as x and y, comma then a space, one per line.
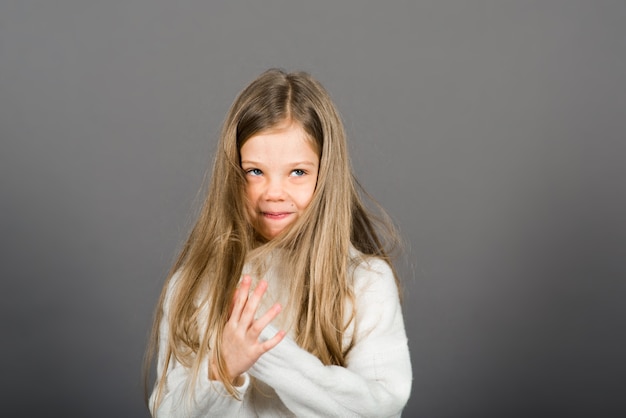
377, 378
209, 398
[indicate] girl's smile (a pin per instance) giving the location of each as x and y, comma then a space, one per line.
281, 168
274, 215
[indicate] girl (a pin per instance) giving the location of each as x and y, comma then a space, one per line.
283, 301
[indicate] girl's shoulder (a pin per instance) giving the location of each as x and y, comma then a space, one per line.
170, 290
359, 260
377, 307
178, 284
372, 274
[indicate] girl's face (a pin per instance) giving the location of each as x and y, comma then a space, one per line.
281, 173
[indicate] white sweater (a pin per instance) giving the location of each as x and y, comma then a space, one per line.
289, 381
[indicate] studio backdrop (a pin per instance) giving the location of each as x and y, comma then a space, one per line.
493, 132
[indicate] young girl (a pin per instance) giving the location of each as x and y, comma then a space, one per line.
283, 301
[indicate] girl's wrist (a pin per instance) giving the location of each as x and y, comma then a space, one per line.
214, 375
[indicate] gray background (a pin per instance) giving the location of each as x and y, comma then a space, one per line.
492, 131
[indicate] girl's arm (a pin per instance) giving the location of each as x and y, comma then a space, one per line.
377, 379
209, 397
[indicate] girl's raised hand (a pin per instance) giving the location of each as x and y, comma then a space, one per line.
240, 340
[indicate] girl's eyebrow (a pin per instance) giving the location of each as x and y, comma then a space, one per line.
310, 163
249, 162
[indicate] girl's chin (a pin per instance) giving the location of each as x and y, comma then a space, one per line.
270, 235
271, 227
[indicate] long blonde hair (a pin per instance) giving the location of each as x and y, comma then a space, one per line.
315, 250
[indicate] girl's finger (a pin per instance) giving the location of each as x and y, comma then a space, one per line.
247, 316
232, 303
264, 321
240, 299
272, 342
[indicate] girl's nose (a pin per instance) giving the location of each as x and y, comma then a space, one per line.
275, 190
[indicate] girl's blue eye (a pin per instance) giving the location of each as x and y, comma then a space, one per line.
298, 172
255, 172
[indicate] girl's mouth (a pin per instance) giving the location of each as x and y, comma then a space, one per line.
275, 215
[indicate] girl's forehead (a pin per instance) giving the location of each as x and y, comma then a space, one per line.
276, 145
284, 136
